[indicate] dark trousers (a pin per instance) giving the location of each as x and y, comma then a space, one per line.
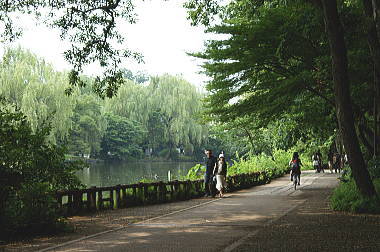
209, 185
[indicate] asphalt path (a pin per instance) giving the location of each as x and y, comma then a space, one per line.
219, 225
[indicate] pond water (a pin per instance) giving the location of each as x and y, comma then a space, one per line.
110, 174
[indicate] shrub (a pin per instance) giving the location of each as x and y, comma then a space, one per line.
346, 197
31, 168
275, 165
196, 172
374, 168
32, 210
164, 153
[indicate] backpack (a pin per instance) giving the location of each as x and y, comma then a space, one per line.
295, 165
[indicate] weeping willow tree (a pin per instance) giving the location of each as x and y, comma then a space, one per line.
130, 102
177, 103
38, 90
167, 108
89, 125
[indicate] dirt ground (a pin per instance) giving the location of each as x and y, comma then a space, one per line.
313, 226
310, 226
102, 221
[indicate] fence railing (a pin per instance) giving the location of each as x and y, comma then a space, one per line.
122, 196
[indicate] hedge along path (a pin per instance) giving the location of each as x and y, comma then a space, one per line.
122, 196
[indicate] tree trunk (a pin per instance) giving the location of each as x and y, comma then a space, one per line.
343, 100
250, 138
376, 17
372, 20
363, 138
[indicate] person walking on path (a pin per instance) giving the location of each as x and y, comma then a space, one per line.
220, 171
330, 159
337, 162
295, 164
317, 161
210, 165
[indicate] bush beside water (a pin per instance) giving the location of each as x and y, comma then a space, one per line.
274, 165
31, 170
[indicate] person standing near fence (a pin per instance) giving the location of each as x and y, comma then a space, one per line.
210, 165
220, 171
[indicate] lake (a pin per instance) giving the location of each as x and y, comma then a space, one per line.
109, 174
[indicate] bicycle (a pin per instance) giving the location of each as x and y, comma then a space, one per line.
295, 180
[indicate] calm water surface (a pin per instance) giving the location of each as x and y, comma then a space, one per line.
109, 174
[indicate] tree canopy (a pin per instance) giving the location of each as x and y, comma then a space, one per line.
163, 112
91, 28
270, 66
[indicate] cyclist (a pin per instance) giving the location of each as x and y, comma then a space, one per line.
295, 164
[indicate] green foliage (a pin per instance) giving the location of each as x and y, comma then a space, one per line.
167, 109
31, 168
196, 172
33, 210
374, 168
139, 77
88, 126
122, 138
276, 164
346, 197
268, 70
24, 79
91, 29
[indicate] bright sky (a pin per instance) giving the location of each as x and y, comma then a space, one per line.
162, 34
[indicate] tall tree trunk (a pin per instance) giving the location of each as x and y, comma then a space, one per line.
249, 137
371, 11
376, 17
364, 139
343, 100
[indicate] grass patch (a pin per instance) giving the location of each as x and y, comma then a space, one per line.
346, 197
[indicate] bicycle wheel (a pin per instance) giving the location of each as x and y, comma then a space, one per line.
295, 181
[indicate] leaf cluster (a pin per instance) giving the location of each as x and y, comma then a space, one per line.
89, 26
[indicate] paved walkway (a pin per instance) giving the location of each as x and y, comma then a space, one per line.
221, 225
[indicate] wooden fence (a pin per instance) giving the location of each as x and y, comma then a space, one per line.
122, 196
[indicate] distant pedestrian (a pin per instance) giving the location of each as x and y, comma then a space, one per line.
337, 164
316, 162
210, 165
220, 171
330, 160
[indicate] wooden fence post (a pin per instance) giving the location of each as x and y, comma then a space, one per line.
59, 198
146, 194
77, 201
91, 199
100, 200
70, 203
124, 196
156, 193
134, 193
162, 187
112, 203
118, 198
